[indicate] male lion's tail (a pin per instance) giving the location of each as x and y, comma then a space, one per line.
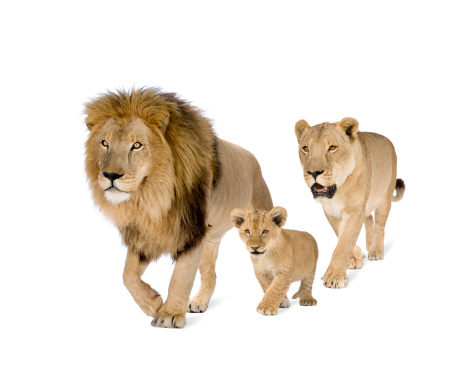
400, 189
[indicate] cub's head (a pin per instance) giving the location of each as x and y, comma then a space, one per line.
326, 153
125, 146
259, 230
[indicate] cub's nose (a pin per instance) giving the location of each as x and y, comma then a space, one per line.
254, 247
112, 176
315, 174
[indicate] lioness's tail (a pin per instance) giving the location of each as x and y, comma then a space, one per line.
400, 189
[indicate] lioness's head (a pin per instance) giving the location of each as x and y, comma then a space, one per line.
326, 153
259, 230
123, 149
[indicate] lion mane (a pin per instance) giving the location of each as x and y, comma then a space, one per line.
168, 212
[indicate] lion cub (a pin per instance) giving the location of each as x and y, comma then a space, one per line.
280, 257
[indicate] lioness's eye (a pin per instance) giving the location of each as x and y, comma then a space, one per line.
246, 231
264, 232
305, 149
136, 145
105, 143
332, 148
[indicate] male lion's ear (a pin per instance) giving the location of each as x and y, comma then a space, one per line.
301, 127
350, 126
278, 215
237, 216
89, 125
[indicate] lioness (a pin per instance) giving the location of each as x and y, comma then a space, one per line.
352, 174
280, 257
157, 170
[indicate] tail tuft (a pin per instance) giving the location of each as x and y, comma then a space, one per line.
400, 189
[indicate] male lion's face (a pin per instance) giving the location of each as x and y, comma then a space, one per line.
326, 154
259, 230
123, 155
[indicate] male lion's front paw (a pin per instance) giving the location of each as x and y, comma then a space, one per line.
166, 320
308, 301
333, 281
266, 309
375, 255
197, 306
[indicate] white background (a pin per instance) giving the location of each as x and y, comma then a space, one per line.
255, 68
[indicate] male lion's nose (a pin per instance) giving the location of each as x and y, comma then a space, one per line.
315, 174
112, 176
254, 247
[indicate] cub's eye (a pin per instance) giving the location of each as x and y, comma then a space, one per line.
105, 143
332, 148
264, 232
136, 145
246, 231
305, 149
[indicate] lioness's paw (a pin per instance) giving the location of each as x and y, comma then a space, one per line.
266, 309
285, 303
166, 320
197, 306
355, 263
375, 255
310, 301
334, 281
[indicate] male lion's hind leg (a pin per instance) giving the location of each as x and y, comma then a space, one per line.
172, 313
381, 216
356, 259
147, 298
200, 301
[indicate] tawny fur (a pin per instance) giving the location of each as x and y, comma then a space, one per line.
280, 257
176, 184
362, 167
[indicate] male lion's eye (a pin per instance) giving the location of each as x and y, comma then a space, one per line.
136, 145
332, 148
305, 149
105, 143
264, 232
246, 231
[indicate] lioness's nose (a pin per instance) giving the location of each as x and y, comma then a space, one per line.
254, 247
112, 176
315, 174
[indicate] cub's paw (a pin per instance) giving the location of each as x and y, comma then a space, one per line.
267, 310
308, 301
285, 303
333, 281
197, 306
166, 320
375, 255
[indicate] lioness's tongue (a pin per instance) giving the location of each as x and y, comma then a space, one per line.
319, 188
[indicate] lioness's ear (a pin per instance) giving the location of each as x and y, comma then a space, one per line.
278, 215
350, 126
237, 216
301, 127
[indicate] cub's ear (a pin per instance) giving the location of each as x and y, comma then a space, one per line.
301, 128
350, 126
237, 216
278, 215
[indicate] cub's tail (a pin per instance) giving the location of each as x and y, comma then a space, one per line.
400, 189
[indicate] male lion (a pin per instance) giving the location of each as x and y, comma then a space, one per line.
280, 257
158, 171
352, 174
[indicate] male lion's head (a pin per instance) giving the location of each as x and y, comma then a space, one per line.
326, 154
259, 230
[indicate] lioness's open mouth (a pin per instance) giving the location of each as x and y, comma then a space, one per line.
257, 252
319, 190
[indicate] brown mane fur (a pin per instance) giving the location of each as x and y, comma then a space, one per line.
168, 212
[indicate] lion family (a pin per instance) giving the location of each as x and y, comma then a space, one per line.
159, 173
